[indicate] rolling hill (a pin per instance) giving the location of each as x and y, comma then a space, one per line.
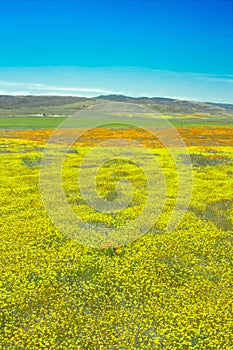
65, 105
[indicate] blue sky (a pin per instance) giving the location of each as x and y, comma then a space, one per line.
171, 48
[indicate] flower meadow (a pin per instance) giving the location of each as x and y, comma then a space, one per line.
163, 290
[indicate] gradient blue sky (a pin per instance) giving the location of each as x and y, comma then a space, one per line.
172, 48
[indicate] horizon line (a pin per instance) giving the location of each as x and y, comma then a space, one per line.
116, 94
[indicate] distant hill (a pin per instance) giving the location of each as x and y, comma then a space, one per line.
65, 105
223, 105
7, 101
169, 105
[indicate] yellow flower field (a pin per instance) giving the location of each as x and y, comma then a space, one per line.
164, 290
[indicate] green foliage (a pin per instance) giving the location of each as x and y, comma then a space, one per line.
32, 161
200, 160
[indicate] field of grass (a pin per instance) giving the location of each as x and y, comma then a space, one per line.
159, 290
29, 123
53, 122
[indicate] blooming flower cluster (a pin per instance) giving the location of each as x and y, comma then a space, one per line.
162, 291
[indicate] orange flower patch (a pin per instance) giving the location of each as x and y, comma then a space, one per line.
118, 250
207, 136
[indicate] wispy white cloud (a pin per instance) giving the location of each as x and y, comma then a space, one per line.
130, 81
225, 77
33, 88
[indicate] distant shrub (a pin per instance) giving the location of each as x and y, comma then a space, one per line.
31, 161
217, 212
200, 160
